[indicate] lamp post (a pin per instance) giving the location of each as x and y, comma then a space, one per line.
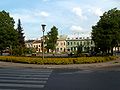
43, 29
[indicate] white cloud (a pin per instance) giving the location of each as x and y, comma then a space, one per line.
79, 34
76, 28
78, 11
96, 11
105, 0
29, 16
43, 14
45, 0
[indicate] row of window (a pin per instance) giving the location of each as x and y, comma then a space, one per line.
80, 43
36, 46
29, 45
61, 49
61, 43
75, 48
38, 50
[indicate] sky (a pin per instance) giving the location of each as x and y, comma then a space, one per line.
72, 17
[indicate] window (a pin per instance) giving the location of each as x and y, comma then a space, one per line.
84, 42
87, 37
80, 38
88, 43
64, 43
74, 48
74, 43
68, 43
57, 49
81, 43
34, 45
64, 49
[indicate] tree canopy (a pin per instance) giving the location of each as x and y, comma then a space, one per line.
106, 33
52, 38
20, 34
8, 35
20, 48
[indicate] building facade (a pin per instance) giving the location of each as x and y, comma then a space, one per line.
37, 45
64, 44
86, 43
61, 44
29, 43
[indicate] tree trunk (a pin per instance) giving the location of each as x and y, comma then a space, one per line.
47, 50
118, 48
1, 53
112, 51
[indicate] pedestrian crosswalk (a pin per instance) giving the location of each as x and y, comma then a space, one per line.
22, 79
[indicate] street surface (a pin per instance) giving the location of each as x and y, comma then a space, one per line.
60, 79
23, 79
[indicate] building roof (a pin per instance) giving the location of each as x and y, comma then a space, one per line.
78, 38
37, 41
29, 41
62, 37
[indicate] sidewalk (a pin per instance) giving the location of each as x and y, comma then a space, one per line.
70, 66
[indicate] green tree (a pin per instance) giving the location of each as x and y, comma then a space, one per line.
8, 35
21, 45
52, 38
20, 34
106, 34
79, 50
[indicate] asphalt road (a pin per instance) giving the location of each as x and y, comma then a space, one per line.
60, 79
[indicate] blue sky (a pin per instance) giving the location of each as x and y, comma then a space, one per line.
71, 17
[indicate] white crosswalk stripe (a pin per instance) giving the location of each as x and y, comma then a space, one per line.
22, 81
8, 89
22, 85
24, 75
15, 79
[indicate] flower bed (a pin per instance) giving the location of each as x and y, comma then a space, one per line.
56, 61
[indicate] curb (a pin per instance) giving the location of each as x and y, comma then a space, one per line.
70, 66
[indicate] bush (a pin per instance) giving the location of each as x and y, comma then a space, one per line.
56, 61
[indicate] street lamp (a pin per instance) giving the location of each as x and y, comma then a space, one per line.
43, 29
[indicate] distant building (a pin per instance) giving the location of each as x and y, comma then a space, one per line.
86, 44
61, 44
64, 44
29, 43
37, 45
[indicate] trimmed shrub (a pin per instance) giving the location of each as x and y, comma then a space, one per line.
56, 61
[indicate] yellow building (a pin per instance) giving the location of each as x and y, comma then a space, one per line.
61, 44
37, 44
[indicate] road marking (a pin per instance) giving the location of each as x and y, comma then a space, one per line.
8, 89
14, 73
24, 78
21, 85
20, 75
27, 70
21, 81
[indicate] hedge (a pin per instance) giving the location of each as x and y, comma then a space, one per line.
56, 61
